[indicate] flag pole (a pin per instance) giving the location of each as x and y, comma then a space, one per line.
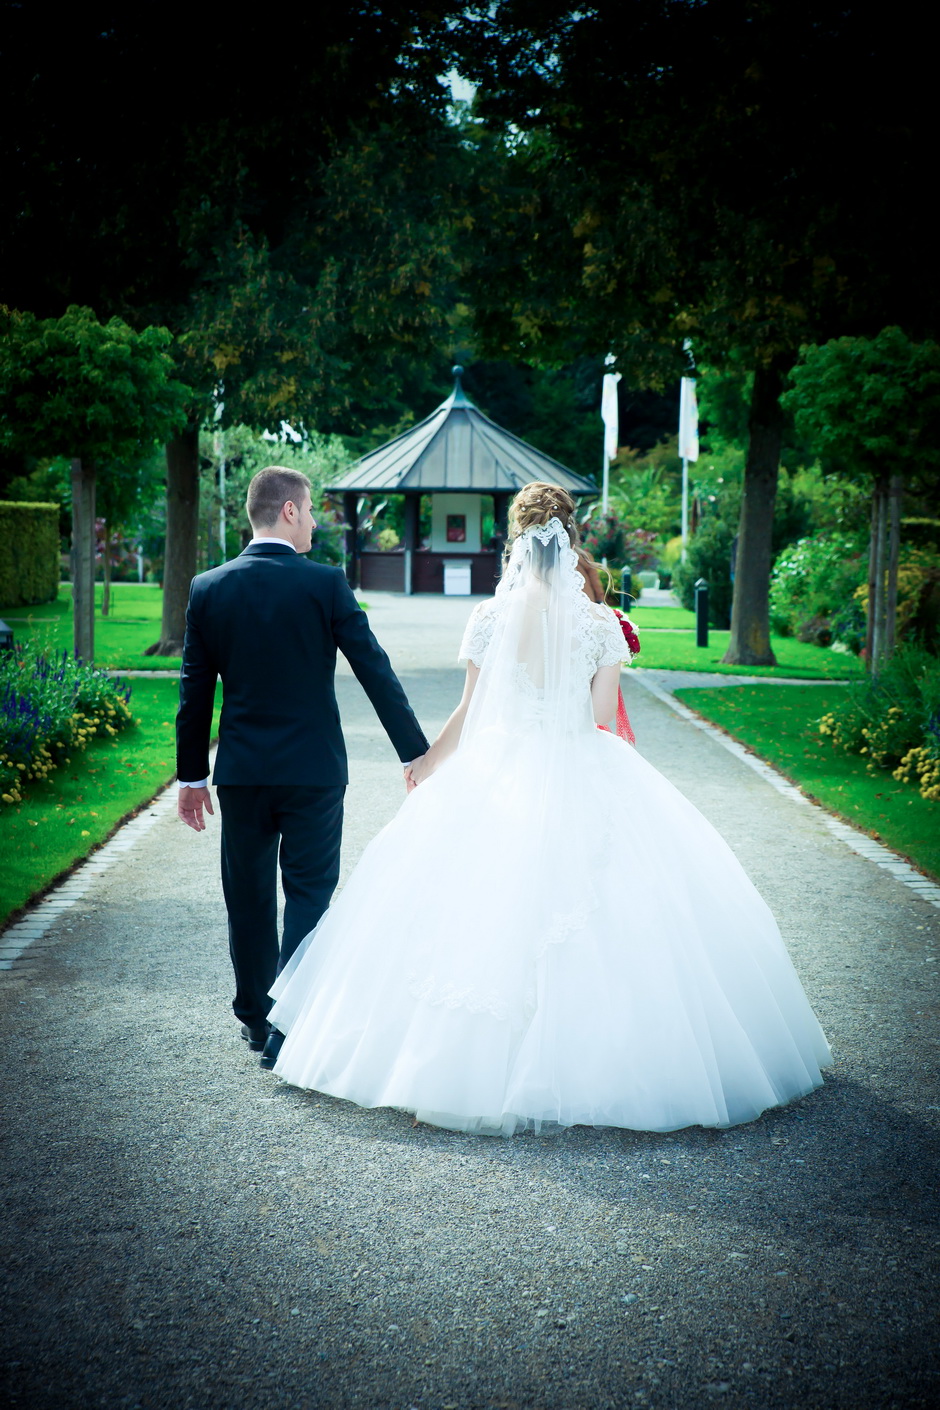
688, 446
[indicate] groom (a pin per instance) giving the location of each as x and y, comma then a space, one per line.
269, 624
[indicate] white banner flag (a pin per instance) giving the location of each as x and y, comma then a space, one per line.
609, 413
688, 420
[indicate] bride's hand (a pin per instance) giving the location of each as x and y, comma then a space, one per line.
421, 769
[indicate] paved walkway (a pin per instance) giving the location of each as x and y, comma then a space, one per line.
180, 1230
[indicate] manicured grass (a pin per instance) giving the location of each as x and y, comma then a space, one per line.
121, 638
63, 818
661, 617
780, 724
676, 651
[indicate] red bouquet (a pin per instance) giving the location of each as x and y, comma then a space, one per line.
630, 635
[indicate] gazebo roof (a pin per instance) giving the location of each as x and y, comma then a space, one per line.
457, 448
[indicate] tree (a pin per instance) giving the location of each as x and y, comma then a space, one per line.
221, 211
716, 171
871, 407
100, 394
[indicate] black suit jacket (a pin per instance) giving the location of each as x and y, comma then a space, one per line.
269, 623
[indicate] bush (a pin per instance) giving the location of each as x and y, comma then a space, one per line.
29, 553
918, 595
814, 582
708, 557
49, 707
893, 719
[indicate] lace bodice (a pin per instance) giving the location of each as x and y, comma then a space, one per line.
604, 644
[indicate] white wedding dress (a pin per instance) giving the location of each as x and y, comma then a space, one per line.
548, 933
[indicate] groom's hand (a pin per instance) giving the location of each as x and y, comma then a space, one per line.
190, 805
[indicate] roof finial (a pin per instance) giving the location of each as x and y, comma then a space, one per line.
457, 373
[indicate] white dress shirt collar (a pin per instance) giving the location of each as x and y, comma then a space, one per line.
270, 538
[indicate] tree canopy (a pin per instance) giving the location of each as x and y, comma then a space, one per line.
722, 172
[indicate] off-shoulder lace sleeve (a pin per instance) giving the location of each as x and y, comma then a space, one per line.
611, 646
479, 630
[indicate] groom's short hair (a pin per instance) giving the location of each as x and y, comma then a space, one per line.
270, 490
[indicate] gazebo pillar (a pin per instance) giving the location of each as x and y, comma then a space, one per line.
351, 515
412, 525
501, 520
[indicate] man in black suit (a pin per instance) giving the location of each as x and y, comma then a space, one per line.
269, 623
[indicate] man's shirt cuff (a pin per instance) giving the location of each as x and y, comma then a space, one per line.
203, 783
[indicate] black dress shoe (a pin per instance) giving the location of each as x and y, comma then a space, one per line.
255, 1037
272, 1049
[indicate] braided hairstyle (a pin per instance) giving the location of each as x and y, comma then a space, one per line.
538, 502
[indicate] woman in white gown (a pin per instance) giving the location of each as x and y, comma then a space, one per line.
492, 962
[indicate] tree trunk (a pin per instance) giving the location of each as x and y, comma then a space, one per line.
83, 559
106, 565
895, 491
182, 531
750, 611
873, 577
876, 576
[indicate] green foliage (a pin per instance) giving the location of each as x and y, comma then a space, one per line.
29, 553
918, 616
611, 537
646, 487
75, 387
921, 765
323, 459
50, 708
814, 581
708, 556
871, 406
888, 715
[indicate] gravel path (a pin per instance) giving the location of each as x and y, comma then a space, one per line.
181, 1230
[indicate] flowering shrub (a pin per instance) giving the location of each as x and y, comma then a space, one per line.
813, 588
608, 536
50, 707
922, 765
893, 720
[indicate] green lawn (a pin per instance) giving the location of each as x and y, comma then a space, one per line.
676, 651
661, 617
121, 638
779, 724
63, 818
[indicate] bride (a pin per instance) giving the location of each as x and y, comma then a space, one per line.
494, 964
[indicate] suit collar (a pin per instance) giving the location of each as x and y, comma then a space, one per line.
269, 546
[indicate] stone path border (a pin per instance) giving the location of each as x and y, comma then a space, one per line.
853, 838
30, 928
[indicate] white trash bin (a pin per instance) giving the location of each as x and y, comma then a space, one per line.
456, 578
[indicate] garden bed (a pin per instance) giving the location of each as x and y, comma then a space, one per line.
781, 724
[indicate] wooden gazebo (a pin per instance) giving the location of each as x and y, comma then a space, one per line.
456, 455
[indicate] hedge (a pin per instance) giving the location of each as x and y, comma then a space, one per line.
29, 553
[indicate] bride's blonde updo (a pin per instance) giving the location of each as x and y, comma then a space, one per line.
535, 504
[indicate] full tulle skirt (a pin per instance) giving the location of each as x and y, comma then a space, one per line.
533, 943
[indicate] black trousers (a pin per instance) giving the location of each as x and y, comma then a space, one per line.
306, 824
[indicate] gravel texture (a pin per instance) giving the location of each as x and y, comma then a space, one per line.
181, 1230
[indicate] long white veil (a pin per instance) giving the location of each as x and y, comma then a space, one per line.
536, 672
